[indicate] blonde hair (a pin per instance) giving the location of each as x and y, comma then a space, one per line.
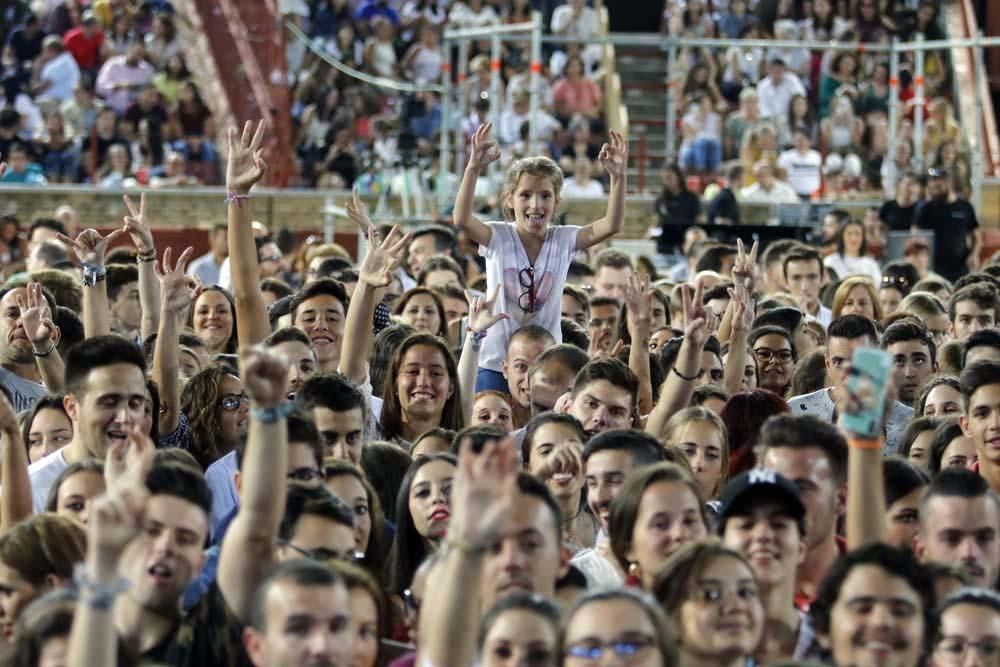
923, 305
542, 167
680, 420
840, 296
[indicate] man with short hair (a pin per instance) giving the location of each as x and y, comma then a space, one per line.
58, 72
612, 270
602, 329
802, 267
524, 347
718, 257
46, 255
768, 189
802, 163
338, 408
575, 305
846, 334
604, 396
914, 357
314, 598
20, 373
552, 375
122, 76
608, 458
206, 268
772, 262
981, 420
957, 236
982, 345
897, 213
762, 516
123, 299
105, 398
426, 242
959, 523
972, 308
316, 525
776, 90
319, 310
812, 454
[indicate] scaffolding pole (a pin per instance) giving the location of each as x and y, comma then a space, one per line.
979, 74
495, 105
893, 100
536, 81
463, 103
445, 134
671, 110
919, 105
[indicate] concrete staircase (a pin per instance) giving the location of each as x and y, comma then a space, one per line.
643, 72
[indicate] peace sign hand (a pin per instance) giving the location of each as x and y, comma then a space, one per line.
137, 225
745, 266
177, 289
614, 155
36, 316
383, 258
90, 247
481, 315
246, 165
696, 316
638, 301
357, 211
484, 151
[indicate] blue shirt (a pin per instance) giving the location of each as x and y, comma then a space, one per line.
219, 478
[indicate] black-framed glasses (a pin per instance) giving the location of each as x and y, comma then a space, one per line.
322, 554
527, 299
765, 355
411, 602
624, 648
305, 475
954, 648
231, 402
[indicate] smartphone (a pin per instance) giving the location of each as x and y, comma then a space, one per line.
867, 383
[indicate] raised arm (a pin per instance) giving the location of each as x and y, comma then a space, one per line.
36, 318
639, 308
865, 485
177, 291
15, 501
484, 151
614, 158
741, 312
374, 273
246, 166
481, 318
482, 495
248, 547
137, 226
682, 378
91, 248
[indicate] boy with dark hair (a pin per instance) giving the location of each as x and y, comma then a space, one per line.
914, 357
316, 525
553, 374
604, 396
123, 298
612, 270
972, 308
772, 261
426, 242
320, 309
718, 258
981, 420
603, 325
846, 334
524, 348
982, 345
812, 454
575, 304
802, 268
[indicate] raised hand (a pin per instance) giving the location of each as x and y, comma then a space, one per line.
264, 377
129, 461
744, 309
638, 301
745, 266
483, 494
696, 316
601, 348
481, 315
137, 225
565, 459
484, 150
114, 521
177, 289
381, 259
614, 155
357, 211
8, 418
90, 247
246, 165
36, 316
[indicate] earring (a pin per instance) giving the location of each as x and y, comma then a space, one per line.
634, 578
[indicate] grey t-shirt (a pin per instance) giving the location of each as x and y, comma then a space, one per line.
820, 404
23, 392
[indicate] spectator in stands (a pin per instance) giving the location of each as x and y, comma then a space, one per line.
162, 42
510, 122
26, 40
147, 108
122, 77
575, 19
472, 14
870, 24
802, 164
699, 82
86, 43
842, 132
824, 24
777, 89
370, 10
768, 189
58, 72
957, 237
800, 114
743, 63
206, 268
575, 94
897, 213
380, 54
117, 172
733, 19
58, 150
723, 209
900, 163
760, 143
851, 258
80, 113
417, 14
120, 35
21, 169
580, 184
94, 148
579, 143
797, 59
169, 78
677, 208
341, 164
424, 115
701, 146
174, 173
422, 62
739, 122
842, 77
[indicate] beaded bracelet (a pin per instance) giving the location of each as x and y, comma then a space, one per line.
237, 198
477, 336
96, 595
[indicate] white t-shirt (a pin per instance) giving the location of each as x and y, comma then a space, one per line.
506, 261
592, 189
64, 74
820, 404
803, 171
854, 266
43, 474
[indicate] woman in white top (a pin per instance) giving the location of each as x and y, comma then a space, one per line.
472, 14
422, 63
850, 259
380, 55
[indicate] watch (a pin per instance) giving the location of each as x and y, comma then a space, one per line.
93, 274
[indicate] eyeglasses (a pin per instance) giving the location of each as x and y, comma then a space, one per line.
765, 355
231, 402
895, 280
954, 649
624, 648
411, 602
527, 299
304, 475
322, 554
271, 258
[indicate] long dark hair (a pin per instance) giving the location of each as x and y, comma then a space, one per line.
48, 402
392, 410
840, 238
743, 415
233, 343
374, 560
410, 547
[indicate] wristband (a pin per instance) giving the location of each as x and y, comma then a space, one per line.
271, 415
466, 548
477, 336
684, 377
93, 274
52, 346
864, 443
148, 256
96, 595
236, 198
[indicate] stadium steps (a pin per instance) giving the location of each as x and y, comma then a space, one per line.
643, 73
